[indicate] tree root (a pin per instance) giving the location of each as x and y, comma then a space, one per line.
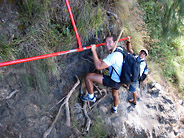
88, 120
11, 94
97, 102
66, 99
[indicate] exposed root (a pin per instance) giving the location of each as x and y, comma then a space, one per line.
88, 120
11, 94
57, 103
100, 91
113, 14
66, 99
97, 102
67, 111
90, 108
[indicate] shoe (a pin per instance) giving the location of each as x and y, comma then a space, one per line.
132, 101
86, 99
124, 85
114, 111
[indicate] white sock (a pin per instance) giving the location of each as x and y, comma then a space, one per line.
115, 107
91, 96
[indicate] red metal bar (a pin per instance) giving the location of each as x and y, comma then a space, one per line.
74, 26
50, 55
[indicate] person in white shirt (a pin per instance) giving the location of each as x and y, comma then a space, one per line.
141, 57
113, 60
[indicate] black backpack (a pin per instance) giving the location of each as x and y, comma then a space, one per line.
144, 74
130, 68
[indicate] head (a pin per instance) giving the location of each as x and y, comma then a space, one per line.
110, 42
143, 53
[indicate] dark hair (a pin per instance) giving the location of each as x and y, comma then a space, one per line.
144, 52
111, 35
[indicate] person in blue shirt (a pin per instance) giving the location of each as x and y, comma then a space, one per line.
113, 60
141, 57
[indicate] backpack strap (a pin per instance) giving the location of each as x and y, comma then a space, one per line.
118, 49
115, 71
144, 67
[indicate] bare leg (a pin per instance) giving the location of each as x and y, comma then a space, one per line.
134, 97
115, 97
90, 78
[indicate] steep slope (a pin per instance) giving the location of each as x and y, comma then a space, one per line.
29, 91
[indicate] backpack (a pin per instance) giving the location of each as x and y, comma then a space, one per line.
144, 74
130, 68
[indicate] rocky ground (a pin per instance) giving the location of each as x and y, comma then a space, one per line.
158, 114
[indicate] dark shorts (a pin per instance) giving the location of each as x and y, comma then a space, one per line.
107, 81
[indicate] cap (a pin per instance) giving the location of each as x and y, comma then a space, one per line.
145, 50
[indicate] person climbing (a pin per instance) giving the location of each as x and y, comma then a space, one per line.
113, 60
141, 57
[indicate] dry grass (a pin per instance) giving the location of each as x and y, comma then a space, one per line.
131, 19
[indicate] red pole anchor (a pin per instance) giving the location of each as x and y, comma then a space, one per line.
74, 26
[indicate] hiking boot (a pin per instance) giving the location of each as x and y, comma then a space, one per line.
86, 99
114, 111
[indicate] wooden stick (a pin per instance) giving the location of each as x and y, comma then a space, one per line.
118, 40
47, 132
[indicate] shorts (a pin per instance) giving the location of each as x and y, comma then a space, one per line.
132, 87
107, 81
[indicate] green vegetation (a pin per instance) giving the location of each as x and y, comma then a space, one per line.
97, 131
29, 10
5, 49
47, 31
132, 23
164, 20
90, 21
44, 33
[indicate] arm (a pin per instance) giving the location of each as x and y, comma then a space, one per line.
129, 46
99, 64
